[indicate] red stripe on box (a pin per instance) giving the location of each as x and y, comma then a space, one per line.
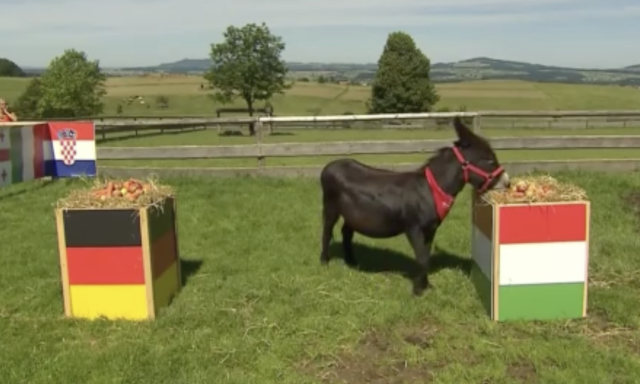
84, 130
542, 223
105, 265
40, 135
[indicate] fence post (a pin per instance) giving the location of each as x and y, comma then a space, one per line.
259, 132
476, 124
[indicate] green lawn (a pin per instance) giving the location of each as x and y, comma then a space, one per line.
261, 309
211, 137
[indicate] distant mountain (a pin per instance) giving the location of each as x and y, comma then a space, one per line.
478, 68
200, 65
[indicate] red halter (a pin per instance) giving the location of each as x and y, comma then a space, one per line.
443, 201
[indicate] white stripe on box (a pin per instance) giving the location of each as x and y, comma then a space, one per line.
543, 263
6, 166
482, 252
47, 150
27, 154
85, 150
6, 143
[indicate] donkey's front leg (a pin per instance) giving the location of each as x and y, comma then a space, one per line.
421, 243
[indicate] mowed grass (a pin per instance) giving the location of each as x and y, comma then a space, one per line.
212, 137
186, 97
257, 306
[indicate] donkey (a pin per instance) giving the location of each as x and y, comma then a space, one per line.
382, 203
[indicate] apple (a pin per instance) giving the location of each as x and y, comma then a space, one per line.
521, 186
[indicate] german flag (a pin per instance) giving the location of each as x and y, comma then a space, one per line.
118, 263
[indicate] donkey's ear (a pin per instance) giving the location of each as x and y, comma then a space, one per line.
465, 135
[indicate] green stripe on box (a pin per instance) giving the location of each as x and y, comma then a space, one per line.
483, 287
540, 301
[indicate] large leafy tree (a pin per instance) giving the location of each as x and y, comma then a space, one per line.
402, 83
247, 65
72, 86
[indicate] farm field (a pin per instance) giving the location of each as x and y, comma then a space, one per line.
186, 97
257, 307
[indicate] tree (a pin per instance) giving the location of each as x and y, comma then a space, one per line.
402, 83
27, 103
72, 86
162, 102
10, 69
247, 64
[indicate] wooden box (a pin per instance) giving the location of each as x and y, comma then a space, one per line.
531, 261
118, 263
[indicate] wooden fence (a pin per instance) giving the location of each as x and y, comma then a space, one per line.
261, 151
139, 125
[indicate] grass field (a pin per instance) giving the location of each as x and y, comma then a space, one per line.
186, 98
258, 308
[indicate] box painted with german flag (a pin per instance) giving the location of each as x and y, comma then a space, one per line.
118, 263
531, 261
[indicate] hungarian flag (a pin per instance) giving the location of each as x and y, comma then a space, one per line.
22, 153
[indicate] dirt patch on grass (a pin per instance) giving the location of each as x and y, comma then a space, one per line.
378, 359
523, 372
600, 331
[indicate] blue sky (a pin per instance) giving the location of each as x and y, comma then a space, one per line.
584, 33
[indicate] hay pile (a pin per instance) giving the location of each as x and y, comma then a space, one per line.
117, 194
536, 189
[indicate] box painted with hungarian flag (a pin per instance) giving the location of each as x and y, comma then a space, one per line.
531, 260
32, 150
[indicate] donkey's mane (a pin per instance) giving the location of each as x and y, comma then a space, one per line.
438, 153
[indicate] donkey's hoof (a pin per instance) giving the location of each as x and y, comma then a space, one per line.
324, 260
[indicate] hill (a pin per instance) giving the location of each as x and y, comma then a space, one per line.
479, 68
10, 69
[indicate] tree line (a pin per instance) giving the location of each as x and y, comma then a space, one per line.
247, 65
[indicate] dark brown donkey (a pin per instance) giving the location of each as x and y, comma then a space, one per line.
382, 204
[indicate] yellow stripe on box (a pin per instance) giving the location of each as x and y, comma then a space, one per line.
110, 301
165, 286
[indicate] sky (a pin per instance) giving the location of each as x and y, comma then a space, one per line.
578, 33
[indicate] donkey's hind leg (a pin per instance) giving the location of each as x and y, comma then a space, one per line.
330, 215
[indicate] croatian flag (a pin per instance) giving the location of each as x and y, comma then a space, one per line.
70, 150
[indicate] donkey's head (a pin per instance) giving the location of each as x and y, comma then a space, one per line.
479, 162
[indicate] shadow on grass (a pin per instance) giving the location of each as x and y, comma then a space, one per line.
282, 133
189, 268
26, 188
382, 260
